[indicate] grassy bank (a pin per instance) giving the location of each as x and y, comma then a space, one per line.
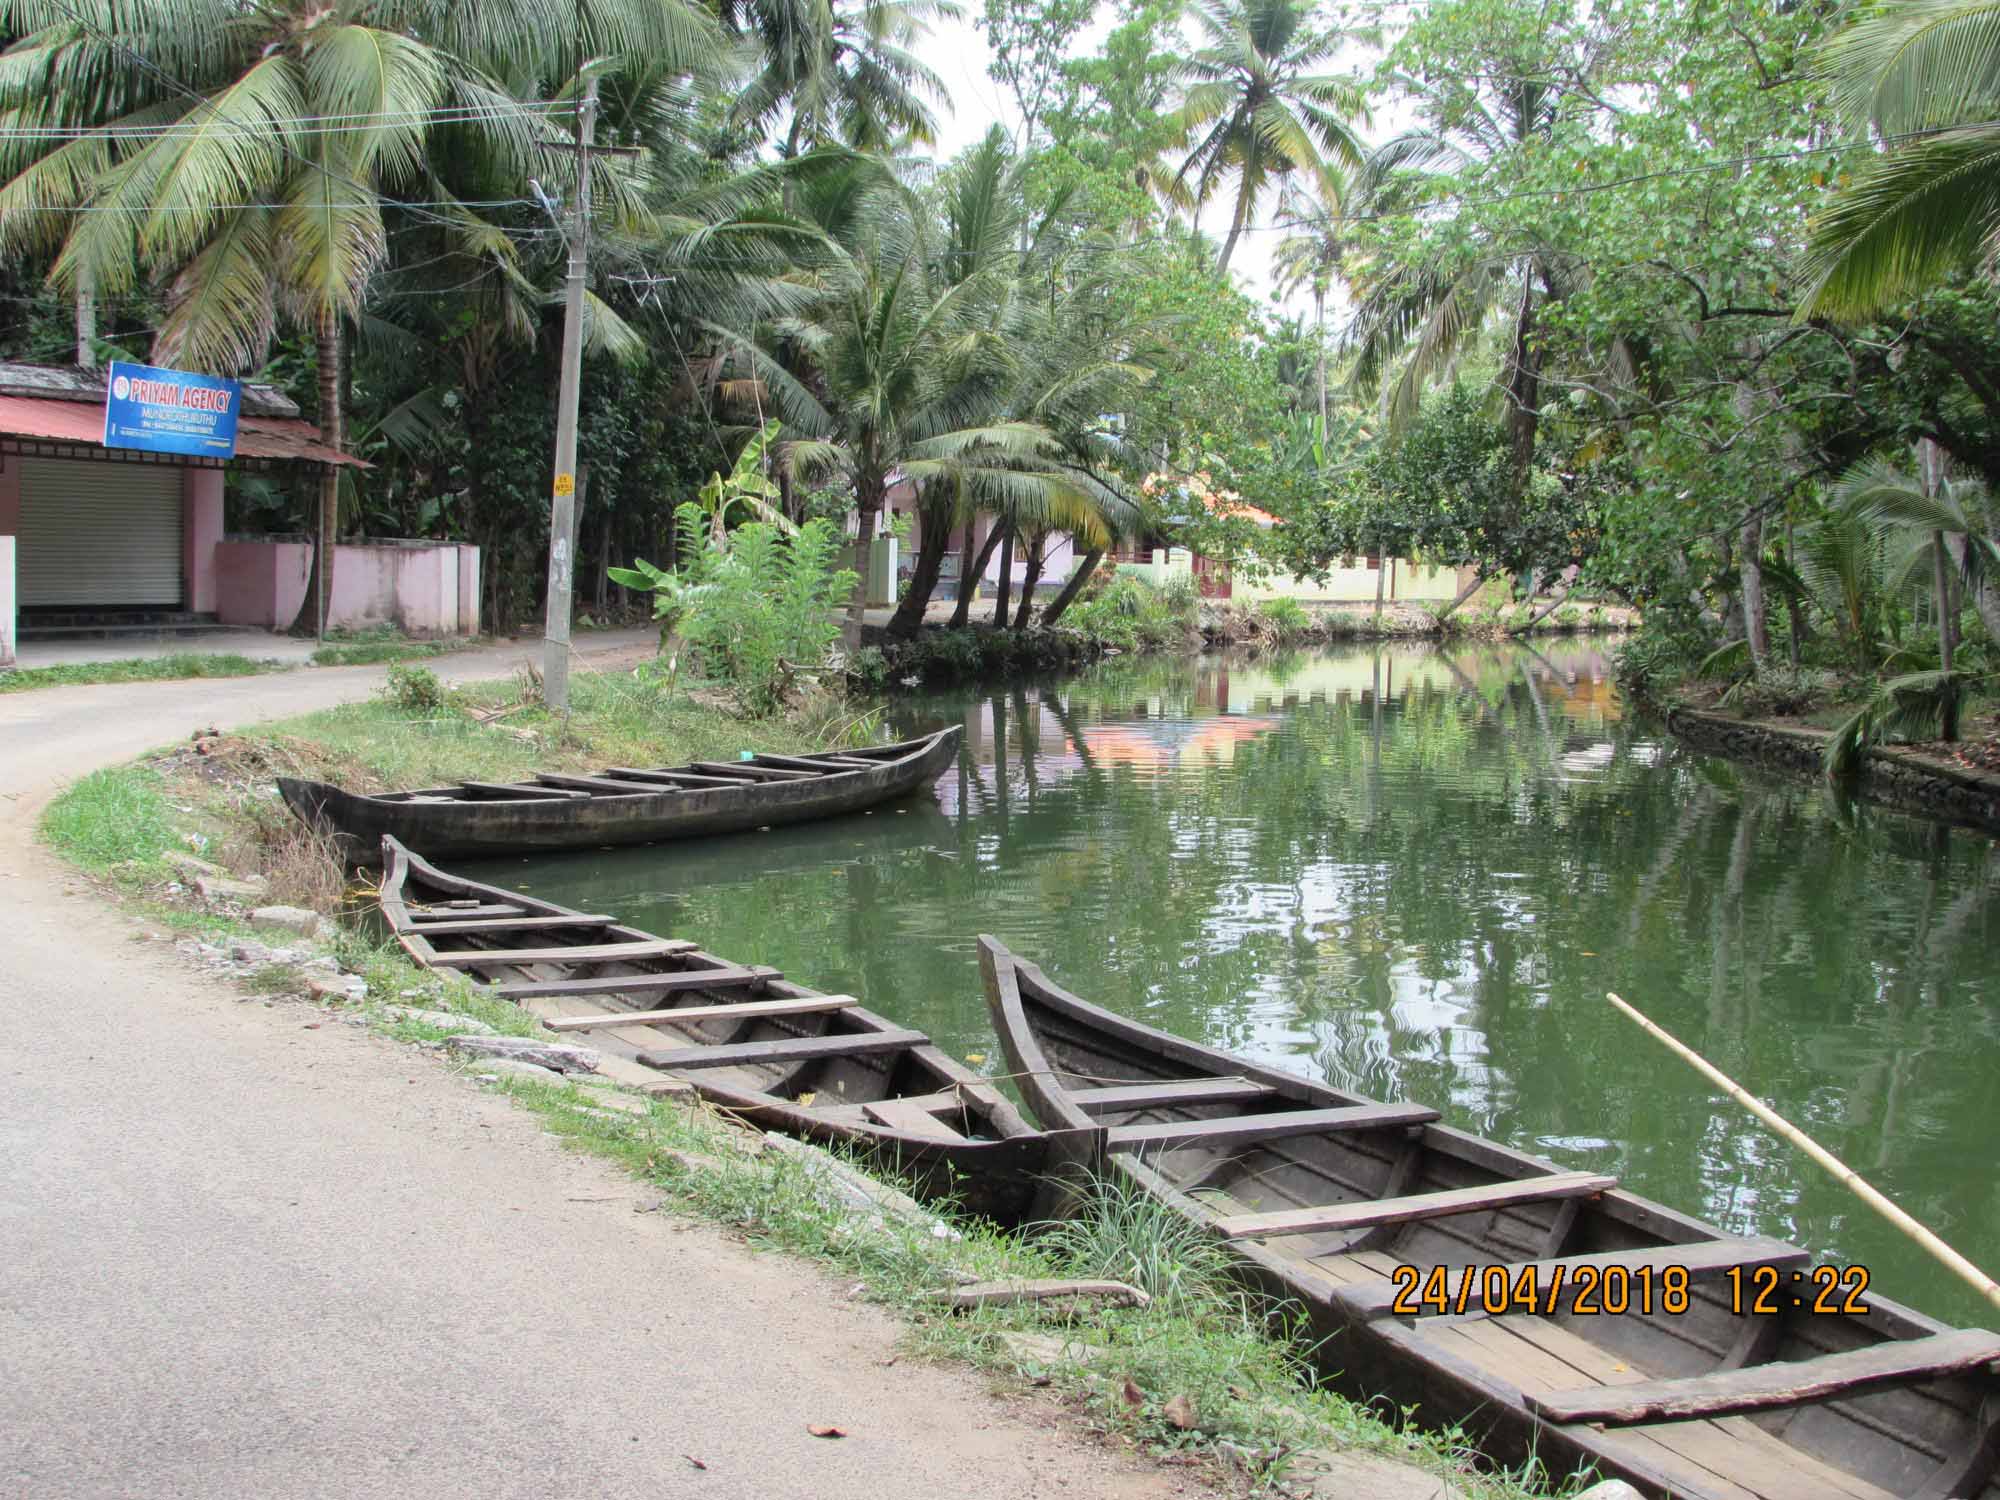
137, 669
1194, 1376
215, 797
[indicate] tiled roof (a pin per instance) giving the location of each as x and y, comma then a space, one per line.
71, 421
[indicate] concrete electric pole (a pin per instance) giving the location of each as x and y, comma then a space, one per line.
562, 507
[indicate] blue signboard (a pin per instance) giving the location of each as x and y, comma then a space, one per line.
171, 411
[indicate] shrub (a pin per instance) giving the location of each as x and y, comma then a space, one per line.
1286, 616
756, 605
416, 690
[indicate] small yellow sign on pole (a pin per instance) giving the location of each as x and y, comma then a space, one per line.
565, 484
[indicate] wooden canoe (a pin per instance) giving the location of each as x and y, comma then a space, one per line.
620, 805
776, 1054
1323, 1195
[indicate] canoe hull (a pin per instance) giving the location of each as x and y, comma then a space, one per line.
799, 1062
500, 826
1931, 1437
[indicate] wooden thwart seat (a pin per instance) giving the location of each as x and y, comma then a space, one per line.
456, 922
751, 769
819, 765
1724, 1458
586, 954
509, 790
801, 1006
1370, 1212
910, 1115
458, 911
728, 977
1278, 1124
1796, 1382
1120, 1096
592, 784
668, 781
785, 1049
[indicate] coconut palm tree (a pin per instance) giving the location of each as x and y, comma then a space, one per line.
1310, 256
897, 366
1261, 109
846, 71
1069, 370
256, 161
1948, 522
1922, 77
1415, 317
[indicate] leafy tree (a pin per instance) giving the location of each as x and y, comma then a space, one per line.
255, 160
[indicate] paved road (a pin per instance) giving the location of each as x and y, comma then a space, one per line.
240, 1257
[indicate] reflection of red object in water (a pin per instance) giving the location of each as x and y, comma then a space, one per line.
1164, 742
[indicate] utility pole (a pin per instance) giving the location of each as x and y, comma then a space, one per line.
562, 507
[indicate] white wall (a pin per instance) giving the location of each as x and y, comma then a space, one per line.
6, 601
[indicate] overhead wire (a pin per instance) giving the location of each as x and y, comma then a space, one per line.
153, 68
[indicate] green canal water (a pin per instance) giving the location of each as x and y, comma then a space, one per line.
1415, 873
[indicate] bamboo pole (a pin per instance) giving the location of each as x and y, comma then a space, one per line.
1964, 1269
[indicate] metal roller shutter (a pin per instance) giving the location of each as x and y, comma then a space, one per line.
103, 534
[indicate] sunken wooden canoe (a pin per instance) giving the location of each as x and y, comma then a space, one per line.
620, 805
770, 1052
1345, 1205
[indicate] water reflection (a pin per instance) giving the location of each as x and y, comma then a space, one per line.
1416, 872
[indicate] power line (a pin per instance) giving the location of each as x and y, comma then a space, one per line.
291, 125
222, 208
148, 65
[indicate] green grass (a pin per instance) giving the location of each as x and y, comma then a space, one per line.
136, 669
614, 720
368, 653
113, 816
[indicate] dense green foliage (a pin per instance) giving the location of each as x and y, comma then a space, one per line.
1619, 302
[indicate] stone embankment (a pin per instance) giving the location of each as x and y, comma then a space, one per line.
1906, 778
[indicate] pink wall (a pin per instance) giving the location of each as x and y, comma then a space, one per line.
201, 529
420, 589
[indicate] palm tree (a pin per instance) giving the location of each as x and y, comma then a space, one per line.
1948, 523
1923, 207
1424, 313
895, 367
1310, 255
256, 160
1261, 111
1068, 368
846, 72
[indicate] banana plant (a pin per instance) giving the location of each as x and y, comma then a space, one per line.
745, 485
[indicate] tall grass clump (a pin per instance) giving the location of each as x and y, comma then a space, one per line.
111, 816
1121, 1232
